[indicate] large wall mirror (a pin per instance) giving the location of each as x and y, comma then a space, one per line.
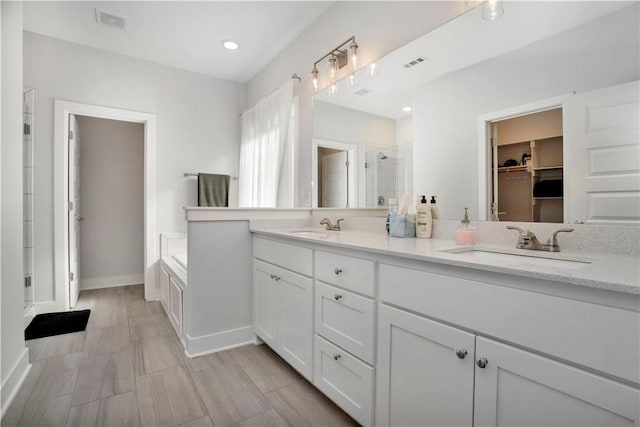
531, 117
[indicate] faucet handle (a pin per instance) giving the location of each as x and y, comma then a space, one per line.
520, 230
338, 222
554, 237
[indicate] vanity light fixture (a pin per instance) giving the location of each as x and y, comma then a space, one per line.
230, 44
492, 10
339, 57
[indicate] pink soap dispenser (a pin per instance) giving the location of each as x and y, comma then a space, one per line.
465, 234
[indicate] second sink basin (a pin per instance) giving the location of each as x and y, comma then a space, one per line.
504, 257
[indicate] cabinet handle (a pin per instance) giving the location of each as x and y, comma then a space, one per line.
278, 278
337, 297
461, 353
273, 276
337, 356
337, 271
482, 362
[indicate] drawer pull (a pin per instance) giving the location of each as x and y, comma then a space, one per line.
278, 278
337, 297
273, 276
337, 356
482, 362
461, 353
338, 271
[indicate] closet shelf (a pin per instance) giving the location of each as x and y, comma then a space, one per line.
513, 169
542, 168
549, 198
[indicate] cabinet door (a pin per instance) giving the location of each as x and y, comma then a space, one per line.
518, 388
164, 289
425, 372
265, 302
175, 303
295, 330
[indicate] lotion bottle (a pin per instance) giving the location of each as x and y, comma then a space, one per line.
424, 222
465, 234
435, 210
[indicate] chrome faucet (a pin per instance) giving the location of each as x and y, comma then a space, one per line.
528, 240
329, 224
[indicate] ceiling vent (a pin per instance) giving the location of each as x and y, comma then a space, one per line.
110, 20
363, 92
413, 63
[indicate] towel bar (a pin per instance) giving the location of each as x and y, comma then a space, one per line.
186, 174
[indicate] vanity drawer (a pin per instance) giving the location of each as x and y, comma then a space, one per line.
345, 380
597, 336
292, 257
355, 274
345, 319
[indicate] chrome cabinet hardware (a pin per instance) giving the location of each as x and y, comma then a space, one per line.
337, 297
482, 362
461, 353
338, 271
276, 278
337, 356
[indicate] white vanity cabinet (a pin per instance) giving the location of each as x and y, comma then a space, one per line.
427, 370
283, 301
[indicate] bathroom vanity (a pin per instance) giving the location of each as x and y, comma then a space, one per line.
424, 332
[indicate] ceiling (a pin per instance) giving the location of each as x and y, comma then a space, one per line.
182, 34
472, 40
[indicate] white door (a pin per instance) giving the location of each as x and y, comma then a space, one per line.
424, 372
602, 155
335, 180
517, 388
73, 211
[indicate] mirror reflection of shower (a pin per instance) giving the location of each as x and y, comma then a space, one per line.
381, 168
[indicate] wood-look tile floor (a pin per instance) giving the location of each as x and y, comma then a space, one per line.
129, 369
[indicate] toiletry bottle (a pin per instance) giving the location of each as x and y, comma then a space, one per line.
435, 210
465, 234
423, 219
393, 210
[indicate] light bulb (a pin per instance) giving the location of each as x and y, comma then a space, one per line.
333, 66
314, 79
354, 55
492, 10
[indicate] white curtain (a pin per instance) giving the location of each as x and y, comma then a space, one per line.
266, 151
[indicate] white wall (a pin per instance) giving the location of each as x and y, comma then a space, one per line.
13, 354
111, 202
198, 127
598, 54
379, 27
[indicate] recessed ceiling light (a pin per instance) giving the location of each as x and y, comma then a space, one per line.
230, 44
406, 109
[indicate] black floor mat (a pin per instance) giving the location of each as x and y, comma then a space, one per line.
49, 324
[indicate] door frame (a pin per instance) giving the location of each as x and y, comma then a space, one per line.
484, 145
353, 151
61, 192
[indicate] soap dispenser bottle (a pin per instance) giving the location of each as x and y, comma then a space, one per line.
424, 221
435, 210
465, 234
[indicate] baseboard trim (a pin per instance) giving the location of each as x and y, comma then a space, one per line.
220, 341
111, 282
15, 380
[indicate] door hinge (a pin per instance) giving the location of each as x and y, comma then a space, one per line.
346, 163
27, 281
70, 135
70, 205
26, 129
366, 165
71, 276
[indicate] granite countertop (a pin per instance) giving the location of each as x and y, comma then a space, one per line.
619, 273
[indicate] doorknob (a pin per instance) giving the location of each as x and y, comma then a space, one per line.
80, 218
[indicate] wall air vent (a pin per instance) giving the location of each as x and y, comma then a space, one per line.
110, 20
414, 62
363, 92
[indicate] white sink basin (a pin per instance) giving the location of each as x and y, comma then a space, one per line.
521, 259
310, 233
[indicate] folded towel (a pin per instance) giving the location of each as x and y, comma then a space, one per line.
213, 190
